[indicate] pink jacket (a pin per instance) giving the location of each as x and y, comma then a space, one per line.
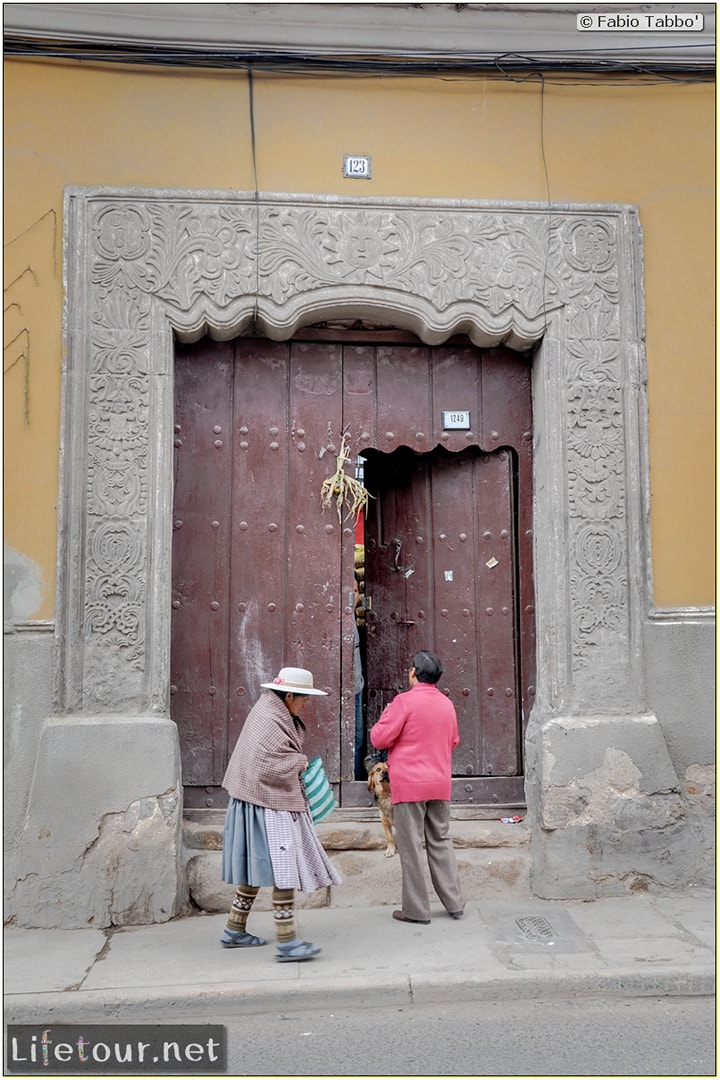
419, 729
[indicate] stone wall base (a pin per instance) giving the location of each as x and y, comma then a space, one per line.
102, 839
609, 813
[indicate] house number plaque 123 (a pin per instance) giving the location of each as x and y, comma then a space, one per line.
356, 167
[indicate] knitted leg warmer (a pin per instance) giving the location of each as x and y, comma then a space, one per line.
240, 909
283, 902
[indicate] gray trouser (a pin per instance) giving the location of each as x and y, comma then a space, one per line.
415, 821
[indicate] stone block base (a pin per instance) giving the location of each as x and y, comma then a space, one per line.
102, 840
610, 815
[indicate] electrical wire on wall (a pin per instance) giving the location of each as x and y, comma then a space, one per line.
253, 149
657, 66
549, 200
526, 78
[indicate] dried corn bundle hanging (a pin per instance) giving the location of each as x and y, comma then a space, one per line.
343, 488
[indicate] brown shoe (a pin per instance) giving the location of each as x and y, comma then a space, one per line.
403, 918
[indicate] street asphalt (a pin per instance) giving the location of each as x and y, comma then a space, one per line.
638, 944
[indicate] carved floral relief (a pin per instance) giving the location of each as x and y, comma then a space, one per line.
491, 267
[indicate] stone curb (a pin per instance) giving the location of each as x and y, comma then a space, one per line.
138, 1005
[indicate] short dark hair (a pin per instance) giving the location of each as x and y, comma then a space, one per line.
428, 668
282, 694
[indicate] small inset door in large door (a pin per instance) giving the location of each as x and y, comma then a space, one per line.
442, 574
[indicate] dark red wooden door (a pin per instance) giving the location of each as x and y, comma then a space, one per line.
257, 580
262, 576
441, 574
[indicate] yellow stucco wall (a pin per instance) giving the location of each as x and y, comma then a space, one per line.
488, 138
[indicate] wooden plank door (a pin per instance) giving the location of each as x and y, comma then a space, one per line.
441, 573
263, 577
257, 581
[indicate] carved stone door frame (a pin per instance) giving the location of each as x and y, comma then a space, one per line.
143, 266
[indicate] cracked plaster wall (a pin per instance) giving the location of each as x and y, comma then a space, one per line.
105, 849
28, 701
610, 812
23, 585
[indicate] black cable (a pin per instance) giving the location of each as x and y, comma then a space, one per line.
251, 106
502, 65
549, 200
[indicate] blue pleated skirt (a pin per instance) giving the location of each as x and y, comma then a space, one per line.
246, 855
274, 847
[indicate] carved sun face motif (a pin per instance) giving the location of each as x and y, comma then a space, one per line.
361, 245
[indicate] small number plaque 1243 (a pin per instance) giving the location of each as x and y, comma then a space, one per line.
356, 167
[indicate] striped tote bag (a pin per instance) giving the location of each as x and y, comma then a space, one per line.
317, 788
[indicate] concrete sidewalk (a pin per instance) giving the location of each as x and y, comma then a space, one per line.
634, 945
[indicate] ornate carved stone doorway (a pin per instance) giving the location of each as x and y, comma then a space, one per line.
145, 266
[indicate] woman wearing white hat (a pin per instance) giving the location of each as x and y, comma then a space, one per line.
269, 835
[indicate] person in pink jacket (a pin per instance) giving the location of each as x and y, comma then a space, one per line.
419, 730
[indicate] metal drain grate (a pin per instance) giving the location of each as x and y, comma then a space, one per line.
537, 928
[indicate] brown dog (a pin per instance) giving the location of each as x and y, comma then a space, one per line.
379, 784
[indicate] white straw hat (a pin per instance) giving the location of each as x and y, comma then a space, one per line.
293, 680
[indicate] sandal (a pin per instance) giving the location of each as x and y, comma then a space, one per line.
240, 939
296, 950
